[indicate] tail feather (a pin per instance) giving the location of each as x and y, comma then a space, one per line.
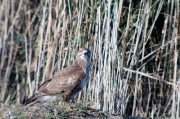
34, 99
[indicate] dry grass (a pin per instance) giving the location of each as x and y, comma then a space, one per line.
54, 112
135, 51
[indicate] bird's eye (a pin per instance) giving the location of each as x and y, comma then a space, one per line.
87, 53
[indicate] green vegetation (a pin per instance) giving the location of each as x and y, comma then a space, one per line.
135, 64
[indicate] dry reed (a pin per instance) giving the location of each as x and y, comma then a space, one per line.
135, 51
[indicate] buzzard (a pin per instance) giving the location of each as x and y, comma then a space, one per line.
68, 81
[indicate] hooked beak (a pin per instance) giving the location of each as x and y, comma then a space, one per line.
88, 53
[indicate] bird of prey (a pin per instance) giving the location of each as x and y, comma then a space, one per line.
68, 81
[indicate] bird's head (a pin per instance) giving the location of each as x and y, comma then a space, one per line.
84, 53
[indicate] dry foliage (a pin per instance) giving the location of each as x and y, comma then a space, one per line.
135, 47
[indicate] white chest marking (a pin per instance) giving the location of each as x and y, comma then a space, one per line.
48, 98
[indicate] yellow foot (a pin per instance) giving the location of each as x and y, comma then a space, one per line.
68, 108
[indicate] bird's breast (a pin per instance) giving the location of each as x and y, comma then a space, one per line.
84, 81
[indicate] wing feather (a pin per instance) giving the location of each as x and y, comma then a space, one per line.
41, 87
65, 79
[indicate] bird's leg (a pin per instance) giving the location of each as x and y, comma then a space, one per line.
68, 108
65, 104
65, 98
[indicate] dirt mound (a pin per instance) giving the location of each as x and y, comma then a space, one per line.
53, 111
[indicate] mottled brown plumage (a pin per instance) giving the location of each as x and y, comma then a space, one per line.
68, 81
